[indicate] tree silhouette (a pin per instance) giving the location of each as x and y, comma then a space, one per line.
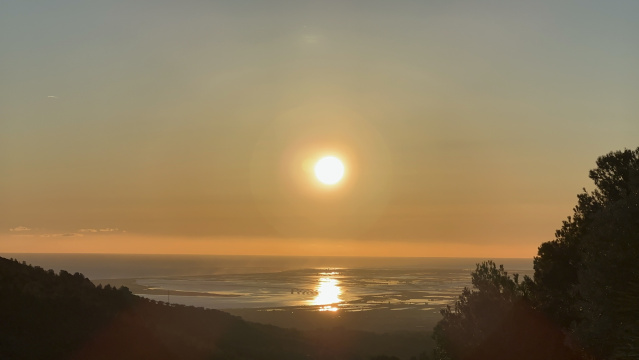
584, 300
562, 264
608, 270
586, 278
477, 313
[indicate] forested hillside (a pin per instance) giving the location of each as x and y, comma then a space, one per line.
45, 315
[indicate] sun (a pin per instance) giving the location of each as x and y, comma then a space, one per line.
329, 170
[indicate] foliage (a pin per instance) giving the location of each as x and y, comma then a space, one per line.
584, 300
496, 321
586, 279
608, 273
477, 313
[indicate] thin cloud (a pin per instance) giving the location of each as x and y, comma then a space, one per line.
100, 230
62, 235
20, 228
52, 97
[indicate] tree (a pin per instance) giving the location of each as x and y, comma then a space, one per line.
477, 313
587, 278
608, 273
584, 299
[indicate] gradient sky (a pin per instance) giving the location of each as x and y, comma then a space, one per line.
467, 127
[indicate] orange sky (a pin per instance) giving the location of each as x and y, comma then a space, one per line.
127, 244
466, 129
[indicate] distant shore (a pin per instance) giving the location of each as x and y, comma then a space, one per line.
138, 289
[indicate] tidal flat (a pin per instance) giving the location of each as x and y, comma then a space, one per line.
371, 299
373, 294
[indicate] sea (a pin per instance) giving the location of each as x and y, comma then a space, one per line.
345, 284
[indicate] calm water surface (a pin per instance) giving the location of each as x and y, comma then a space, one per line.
321, 283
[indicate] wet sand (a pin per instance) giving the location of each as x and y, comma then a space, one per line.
366, 316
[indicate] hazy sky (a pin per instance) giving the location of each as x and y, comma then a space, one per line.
467, 127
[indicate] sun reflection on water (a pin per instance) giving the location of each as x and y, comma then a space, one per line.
328, 292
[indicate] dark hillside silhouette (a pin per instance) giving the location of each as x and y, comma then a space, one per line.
44, 315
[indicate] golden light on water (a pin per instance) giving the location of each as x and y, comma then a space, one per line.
328, 294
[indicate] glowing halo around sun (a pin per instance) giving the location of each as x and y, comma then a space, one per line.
329, 170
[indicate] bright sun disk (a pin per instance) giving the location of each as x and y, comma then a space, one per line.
329, 170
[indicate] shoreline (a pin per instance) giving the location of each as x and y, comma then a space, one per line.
138, 289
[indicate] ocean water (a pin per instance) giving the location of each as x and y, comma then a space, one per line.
273, 282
